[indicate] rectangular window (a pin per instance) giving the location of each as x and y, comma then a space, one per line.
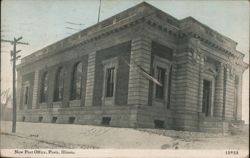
26, 95
159, 124
40, 119
23, 119
160, 75
106, 120
71, 120
110, 82
206, 103
54, 119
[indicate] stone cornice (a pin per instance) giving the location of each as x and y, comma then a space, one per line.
211, 43
94, 36
142, 13
180, 34
196, 25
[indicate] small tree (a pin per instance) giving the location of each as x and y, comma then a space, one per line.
5, 99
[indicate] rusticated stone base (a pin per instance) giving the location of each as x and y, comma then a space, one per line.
125, 116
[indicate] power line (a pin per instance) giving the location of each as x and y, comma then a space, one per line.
72, 23
72, 28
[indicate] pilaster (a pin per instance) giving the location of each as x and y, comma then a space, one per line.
138, 84
239, 103
200, 89
219, 88
35, 89
229, 94
90, 79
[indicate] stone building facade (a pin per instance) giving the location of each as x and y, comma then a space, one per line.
139, 68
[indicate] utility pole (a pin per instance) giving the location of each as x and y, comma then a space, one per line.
14, 58
99, 11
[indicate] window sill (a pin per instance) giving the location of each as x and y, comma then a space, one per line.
75, 103
25, 107
159, 100
108, 100
43, 105
57, 104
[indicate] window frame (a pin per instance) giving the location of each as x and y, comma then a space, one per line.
160, 94
166, 65
43, 98
57, 84
209, 75
75, 76
107, 64
26, 95
26, 84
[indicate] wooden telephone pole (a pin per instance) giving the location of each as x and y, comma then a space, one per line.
14, 58
99, 11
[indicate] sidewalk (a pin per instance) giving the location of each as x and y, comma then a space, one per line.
85, 135
44, 135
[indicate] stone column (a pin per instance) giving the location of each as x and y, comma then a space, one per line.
229, 94
239, 103
200, 89
218, 100
35, 88
90, 79
138, 89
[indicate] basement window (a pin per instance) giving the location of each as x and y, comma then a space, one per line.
54, 119
106, 120
71, 120
23, 119
159, 124
40, 119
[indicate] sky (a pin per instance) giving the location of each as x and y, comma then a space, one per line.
41, 23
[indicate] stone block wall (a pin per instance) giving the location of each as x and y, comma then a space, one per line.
239, 103
219, 86
122, 51
133, 91
121, 116
68, 73
30, 79
164, 52
139, 85
229, 95
90, 79
147, 115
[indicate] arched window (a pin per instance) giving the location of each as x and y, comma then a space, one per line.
59, 85
44, 88
77, 82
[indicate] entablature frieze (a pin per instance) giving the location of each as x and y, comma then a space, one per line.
199, 46
83, 39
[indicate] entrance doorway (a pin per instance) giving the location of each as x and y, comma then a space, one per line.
206, 100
